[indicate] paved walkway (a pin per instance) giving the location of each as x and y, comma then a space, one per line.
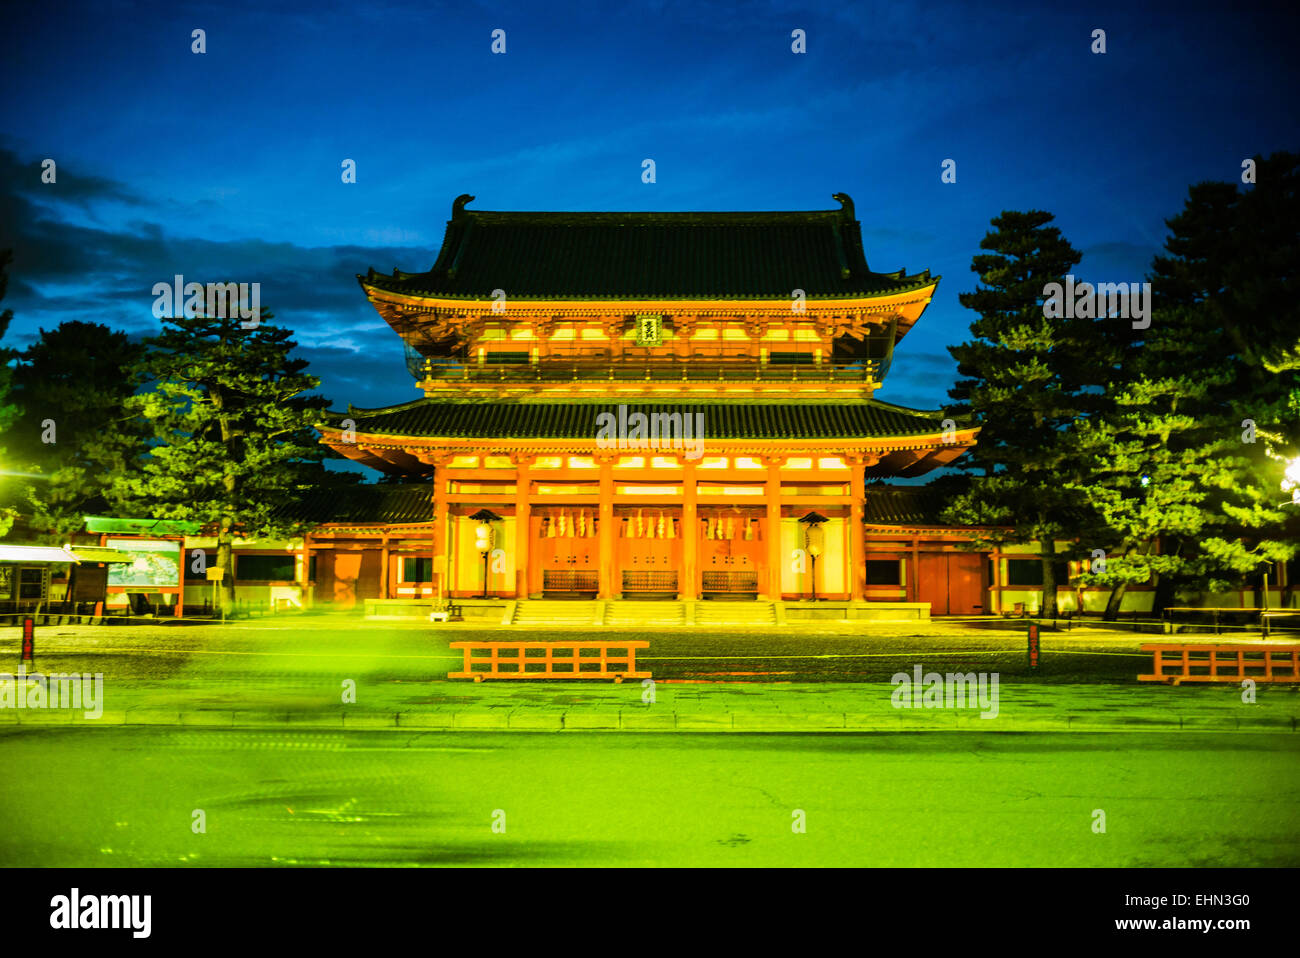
570, 706
291, 671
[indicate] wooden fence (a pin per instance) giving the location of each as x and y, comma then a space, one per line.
1223, 663
548, 660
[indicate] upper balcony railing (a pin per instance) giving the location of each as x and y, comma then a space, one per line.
689, 370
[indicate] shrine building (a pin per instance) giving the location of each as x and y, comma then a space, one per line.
652, 406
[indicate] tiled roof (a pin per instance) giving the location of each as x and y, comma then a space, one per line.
902, 506
701, 255
423, 418
412, 502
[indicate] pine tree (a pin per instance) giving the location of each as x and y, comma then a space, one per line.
1025, 381
9, 411
233, 429
1187, 475
73, 384
1153, 461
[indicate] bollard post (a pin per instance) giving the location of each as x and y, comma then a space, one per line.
29, 638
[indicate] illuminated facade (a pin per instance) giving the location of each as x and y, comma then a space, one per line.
647, 405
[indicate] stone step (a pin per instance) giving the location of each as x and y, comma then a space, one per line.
734, 613
555, 612
634, 613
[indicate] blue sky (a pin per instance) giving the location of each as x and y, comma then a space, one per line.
226, 165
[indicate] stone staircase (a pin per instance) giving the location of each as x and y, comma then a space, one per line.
734, 613
557, 612
632, 613
637, 614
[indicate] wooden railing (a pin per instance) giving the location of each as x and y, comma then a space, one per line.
729, 581
511, 660
570, 580
1223, 663
685, 370
1231, 618
650, 581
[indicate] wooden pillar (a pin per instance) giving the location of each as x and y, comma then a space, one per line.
995, 589
688, 579
772, 493
304, 583
857, 533
683, 330
609, 587
383, 567
179, 611
913, 571
442, 528
616, 341
523, 524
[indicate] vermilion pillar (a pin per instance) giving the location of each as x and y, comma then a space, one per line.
772, 493
308, 600
688, 578
523, 525
608, 588
857, 547
441, 526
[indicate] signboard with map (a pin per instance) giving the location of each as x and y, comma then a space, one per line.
157, 564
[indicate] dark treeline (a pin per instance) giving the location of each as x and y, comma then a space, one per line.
1159, 440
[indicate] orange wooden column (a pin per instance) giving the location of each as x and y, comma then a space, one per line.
683, 333
856, 532
608, 572
688, 577
914, 572
772, 492
383, 569
523, 524
614, 332
441, 524
307, 598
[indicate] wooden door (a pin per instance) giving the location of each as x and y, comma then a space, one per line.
347, 570
932, 581
370, 574
571, 559
965, 583
648, 563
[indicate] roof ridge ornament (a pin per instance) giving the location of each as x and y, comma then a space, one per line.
846, 204
458, 205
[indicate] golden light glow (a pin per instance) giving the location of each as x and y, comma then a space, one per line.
1291, 479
